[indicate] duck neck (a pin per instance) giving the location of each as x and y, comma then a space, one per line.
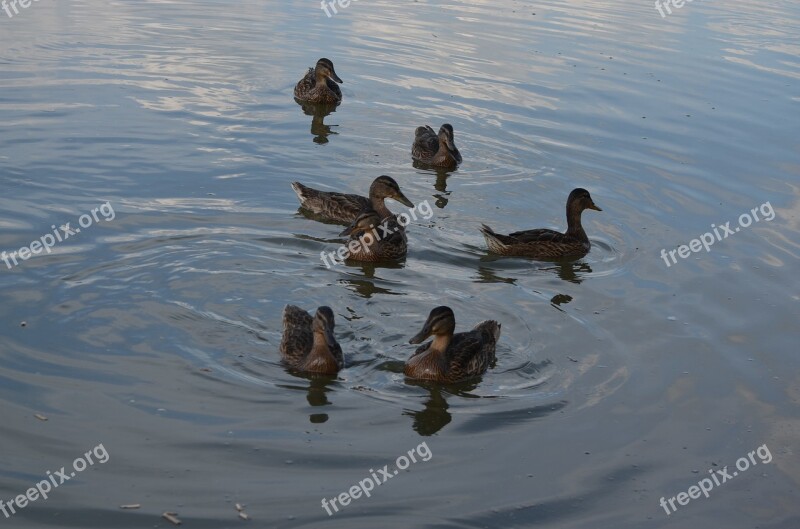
574, 227
440, 343
320, 79
443, 153
379, 205
320, 351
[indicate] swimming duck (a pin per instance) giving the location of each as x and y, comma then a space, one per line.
308, 344
376, 241
438, 150
318, 85
544, 243
344, 208
452, 357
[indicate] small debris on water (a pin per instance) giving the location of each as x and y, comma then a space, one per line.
172, 517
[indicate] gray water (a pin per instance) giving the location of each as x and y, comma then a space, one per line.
620, 380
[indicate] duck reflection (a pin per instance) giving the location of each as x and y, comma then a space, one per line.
487, 275
316, 391
318, 113
441, 181
365, 287
570, 271
434, 416
560, 299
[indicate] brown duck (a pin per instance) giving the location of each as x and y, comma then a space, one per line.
377, 241
438, 150
308, 344
319, 84
544, 243
344, 208
452, 357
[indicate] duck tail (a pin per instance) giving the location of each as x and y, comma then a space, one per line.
422, 131
492, 240
300, 190
490, 326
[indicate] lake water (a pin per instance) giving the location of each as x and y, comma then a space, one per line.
622, 377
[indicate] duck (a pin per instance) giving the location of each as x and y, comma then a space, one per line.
438, 150
344, 208
544, 243
319, 84
450, 357
308, 344
377, 239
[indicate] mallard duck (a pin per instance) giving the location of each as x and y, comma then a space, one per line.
373, 240
452, 357
318, 85
343, 208
308, 344
544, 243
438, 150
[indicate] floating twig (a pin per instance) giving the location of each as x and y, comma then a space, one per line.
172, 517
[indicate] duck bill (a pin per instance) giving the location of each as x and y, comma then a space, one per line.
336, 77
454, 153
594, 207
348, 230
403, 200
330, 339
422, 335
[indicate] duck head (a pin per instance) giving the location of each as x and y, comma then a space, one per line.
441, 323
386, 187
324, 68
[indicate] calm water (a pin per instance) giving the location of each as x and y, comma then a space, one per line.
619, 379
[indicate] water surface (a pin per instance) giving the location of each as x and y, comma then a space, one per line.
619, 379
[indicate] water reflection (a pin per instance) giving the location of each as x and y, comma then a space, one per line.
571, 271
560, 299
316, 392
487, 275
318, 113
434, 416
441, 181
365, 286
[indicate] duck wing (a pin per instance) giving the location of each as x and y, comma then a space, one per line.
297, 337
471, 353
305, 85
426, 143
339, 207
540, 235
